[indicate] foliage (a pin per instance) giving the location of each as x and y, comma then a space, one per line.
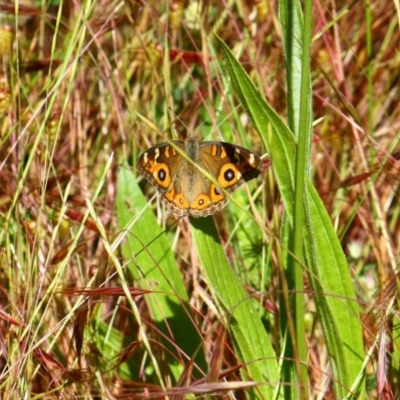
105, 294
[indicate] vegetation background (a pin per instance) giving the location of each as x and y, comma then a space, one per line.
85, 88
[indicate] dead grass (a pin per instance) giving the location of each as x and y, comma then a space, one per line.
72, 85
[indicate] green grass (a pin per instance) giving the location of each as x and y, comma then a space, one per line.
289, 291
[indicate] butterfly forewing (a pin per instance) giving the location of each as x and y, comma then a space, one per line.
232, 165
160, 164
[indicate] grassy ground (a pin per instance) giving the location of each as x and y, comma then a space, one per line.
104, 294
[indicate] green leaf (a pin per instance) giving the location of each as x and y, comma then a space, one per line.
241, 310
280, 143
334, 295
327, 270
154, 267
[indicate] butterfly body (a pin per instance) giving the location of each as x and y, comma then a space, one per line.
175, 170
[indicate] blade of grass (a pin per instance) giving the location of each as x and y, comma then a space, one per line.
291, 23
296, 39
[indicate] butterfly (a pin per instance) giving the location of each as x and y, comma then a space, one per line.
184, 189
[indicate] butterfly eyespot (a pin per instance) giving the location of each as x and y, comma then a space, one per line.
162, 175
229, 175
217, 192
201, 202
